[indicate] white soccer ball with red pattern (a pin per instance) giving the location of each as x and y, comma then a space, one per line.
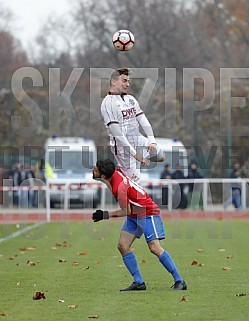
123, 40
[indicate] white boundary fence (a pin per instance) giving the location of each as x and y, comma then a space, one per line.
72, 185
203, 187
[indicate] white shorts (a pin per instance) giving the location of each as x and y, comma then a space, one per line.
128, 164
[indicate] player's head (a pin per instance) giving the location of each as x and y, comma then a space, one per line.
120, 71
104, 168
120, 80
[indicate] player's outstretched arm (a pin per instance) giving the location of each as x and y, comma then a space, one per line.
100, 215
121, 212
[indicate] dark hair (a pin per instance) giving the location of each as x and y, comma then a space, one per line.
106, 167
121, 71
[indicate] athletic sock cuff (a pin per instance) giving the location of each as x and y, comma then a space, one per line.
128, 255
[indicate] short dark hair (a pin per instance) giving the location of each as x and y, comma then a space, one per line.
106, 167
120, 71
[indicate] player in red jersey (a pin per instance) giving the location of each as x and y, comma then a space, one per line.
142, 217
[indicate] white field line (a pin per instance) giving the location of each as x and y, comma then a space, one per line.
24, 230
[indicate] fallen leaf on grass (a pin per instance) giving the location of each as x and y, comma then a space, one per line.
31, 248
229, 256
72, 306
87, 268
31, 263
62, 260
10, 258
65, 244
61, 301
143, 261
222, 250
97, 262
200, 250
194, 263
241, 294
39, 296
75, 263
54, 248
226, 268
94, 316
201, 265
83, 253
3, 314
184, 298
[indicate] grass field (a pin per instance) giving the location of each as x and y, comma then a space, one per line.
92, 273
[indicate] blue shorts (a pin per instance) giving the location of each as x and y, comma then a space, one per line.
150, 226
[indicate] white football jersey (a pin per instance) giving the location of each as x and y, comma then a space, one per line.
122, 110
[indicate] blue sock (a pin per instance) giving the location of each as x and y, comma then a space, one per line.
169, 265
130, 262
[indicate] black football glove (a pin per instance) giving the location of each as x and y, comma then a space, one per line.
100, 215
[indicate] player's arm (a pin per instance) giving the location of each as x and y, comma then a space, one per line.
116, 132
123, 200
121, 212
145, 124
105, 215
122, 140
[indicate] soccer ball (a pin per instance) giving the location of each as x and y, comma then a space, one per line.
123, 40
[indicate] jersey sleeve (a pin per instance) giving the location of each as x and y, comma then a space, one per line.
145, 124
109, 112
114, 128
122, 196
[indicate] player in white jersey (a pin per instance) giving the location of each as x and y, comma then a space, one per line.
122, 117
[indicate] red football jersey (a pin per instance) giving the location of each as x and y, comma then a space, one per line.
127, 192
